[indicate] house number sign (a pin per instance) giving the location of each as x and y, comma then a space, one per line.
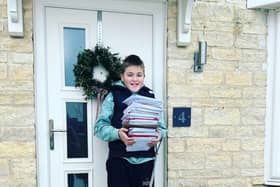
181, 117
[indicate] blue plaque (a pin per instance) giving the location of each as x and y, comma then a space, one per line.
181, 117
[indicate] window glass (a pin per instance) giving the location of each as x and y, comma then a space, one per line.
77, 141
74, 42
78, 180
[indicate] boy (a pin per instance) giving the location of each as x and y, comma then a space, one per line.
126, 169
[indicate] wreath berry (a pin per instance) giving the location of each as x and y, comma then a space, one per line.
88, 60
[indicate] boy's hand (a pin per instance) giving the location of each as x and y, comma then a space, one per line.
156, 140
123, 136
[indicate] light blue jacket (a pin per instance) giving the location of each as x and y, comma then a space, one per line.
105, 131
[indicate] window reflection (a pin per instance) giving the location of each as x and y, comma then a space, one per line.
74, 42
78, 180
77, 145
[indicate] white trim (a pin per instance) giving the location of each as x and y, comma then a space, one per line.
266, 4
184, 22
270, 59
273, 57
15, 18
131, 6
159, 67
41, 107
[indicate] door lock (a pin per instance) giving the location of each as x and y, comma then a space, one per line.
51, 133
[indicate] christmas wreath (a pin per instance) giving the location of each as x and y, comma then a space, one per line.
96, 70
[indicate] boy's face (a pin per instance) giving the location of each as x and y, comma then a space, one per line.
133, 78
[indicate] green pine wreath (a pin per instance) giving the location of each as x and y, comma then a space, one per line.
89, 59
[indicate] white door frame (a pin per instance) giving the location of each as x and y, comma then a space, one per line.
154, 7
273, 91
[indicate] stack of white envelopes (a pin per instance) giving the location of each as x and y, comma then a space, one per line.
141, 118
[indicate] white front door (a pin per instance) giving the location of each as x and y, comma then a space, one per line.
76, 157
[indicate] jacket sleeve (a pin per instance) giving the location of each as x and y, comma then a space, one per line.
103, 128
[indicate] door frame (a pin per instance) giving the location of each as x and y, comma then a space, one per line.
272, 111
155, 7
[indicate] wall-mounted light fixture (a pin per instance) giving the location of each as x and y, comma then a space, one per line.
200, 57
15, 18
184, 21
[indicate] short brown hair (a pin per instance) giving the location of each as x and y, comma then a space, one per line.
132, 60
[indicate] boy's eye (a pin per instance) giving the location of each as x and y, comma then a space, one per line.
130, 74
137, 74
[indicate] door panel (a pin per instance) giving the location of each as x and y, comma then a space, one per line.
71, 161
130, 34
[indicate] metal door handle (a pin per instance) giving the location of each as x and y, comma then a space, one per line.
51, 133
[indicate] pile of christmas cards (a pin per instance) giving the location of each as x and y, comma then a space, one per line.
141, 117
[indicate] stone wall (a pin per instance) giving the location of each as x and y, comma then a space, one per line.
17, 114
225, 144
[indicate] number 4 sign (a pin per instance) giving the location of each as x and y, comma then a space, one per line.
181, 117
